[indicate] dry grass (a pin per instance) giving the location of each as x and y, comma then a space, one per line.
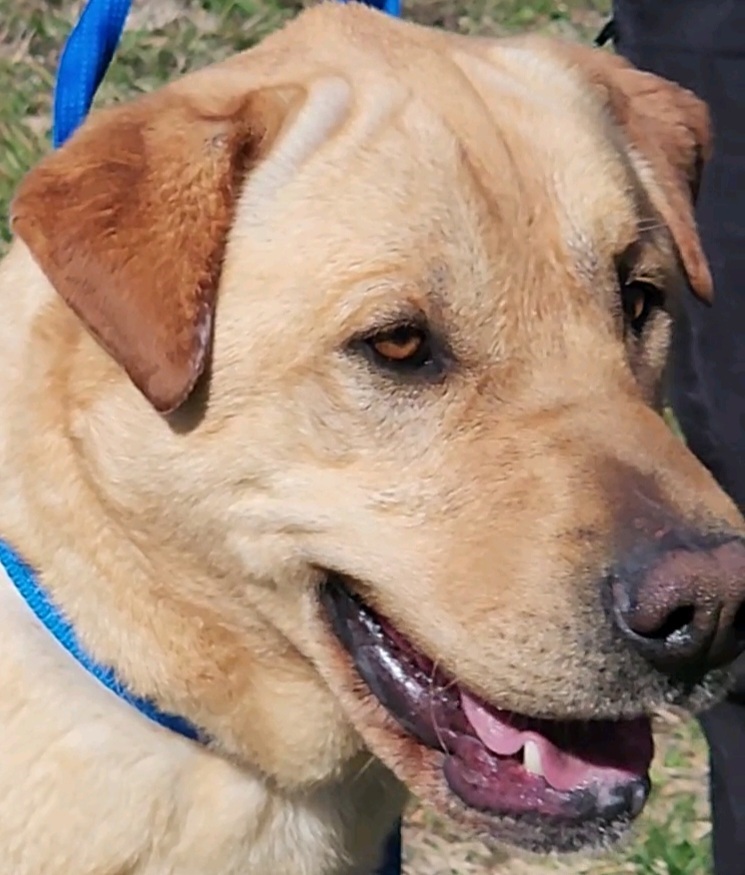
167, 37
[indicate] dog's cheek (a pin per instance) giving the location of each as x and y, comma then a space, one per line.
299, 753
649, 356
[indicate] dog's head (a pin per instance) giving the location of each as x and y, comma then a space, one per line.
396, 304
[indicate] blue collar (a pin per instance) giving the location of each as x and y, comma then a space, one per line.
26, 582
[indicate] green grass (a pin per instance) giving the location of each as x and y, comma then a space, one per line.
168, 37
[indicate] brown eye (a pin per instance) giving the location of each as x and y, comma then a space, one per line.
406, 349
640, 300
402, 344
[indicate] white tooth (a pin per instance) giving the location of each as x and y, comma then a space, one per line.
532, 759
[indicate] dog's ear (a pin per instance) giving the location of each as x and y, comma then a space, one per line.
669, 128
129, 222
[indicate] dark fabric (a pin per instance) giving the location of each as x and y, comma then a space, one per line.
392, 855
724, 727
701, 45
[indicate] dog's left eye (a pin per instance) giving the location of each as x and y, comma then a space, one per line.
404, 348
640, 300
403, 344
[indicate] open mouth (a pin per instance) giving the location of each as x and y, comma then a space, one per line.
579, 782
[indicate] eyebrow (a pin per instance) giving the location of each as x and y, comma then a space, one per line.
642, 251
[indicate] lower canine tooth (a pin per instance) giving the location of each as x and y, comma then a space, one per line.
532, 759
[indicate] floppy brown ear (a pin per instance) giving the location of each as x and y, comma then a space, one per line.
669, 127
129, 223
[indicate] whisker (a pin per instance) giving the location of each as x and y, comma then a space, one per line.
450, 684
432, 716
646, 225
365, 766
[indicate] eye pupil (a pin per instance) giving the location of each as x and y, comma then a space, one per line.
638, 306
639, 301
400, 345
404, 350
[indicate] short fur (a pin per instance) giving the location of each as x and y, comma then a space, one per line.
188, 441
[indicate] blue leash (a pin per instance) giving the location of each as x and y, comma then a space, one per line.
83, 64
85, 58
88, 53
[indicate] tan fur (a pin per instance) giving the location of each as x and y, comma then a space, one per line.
223, 239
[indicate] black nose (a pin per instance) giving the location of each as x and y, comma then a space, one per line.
682, 605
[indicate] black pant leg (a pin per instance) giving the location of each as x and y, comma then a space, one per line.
724, 727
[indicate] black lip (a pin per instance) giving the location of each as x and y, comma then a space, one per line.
420, 697
405, 686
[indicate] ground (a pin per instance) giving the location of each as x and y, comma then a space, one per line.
163, 39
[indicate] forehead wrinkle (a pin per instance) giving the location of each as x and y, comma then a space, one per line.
470, 119
550, 142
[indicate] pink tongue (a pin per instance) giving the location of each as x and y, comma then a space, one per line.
564, 771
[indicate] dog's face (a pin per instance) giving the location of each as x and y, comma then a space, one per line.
399, 301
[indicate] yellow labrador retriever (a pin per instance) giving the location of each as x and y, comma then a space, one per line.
329, 430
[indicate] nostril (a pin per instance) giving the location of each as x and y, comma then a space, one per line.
681, 605
679, 620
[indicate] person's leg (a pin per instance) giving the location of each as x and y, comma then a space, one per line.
725, 731
701, 45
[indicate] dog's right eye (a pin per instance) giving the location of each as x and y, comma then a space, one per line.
640, 300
